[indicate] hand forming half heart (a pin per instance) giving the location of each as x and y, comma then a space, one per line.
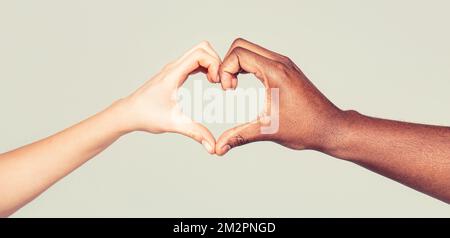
301, 113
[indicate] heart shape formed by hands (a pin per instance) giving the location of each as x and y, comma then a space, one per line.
239, 60
287, 90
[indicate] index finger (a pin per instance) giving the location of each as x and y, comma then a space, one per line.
196, 59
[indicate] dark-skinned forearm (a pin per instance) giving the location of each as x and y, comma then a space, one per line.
413, 154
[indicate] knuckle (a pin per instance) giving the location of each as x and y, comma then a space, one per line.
204, 44
238, 41
281, 69
286, 60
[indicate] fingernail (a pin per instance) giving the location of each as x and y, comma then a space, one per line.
226, 148
207, 146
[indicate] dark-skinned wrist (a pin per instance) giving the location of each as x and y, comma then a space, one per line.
338, 138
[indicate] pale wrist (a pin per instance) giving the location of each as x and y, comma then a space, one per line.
119, 116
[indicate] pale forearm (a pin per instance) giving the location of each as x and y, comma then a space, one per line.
28, 171
413, 154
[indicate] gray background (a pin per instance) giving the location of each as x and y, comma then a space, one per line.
62, 61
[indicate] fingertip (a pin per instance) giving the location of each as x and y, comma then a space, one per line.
213, 72
210, 78
226, 80
209, 142
214, 75
223, 150
217, 78
208, 146
234, 82
222, 146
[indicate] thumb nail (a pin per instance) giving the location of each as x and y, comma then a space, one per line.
207, 146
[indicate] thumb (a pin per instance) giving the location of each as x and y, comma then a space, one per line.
237, 136
197, 132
